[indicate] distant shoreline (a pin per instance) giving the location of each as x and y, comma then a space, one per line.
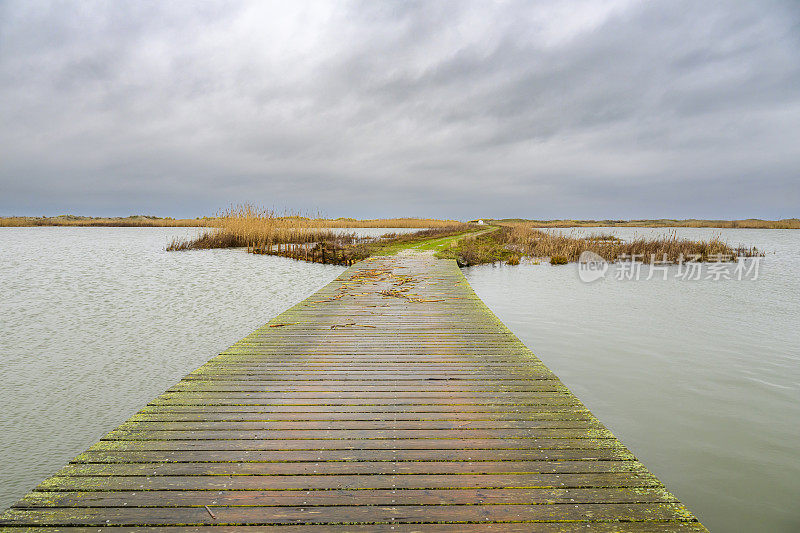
147, 221
749, 223
135, 221
152, 221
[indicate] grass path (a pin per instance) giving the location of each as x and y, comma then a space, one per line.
436, 244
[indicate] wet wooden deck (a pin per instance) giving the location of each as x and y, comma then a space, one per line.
391, 400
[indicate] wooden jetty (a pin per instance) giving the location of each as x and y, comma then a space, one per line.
391, 400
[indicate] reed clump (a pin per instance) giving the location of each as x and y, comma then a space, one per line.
257, 229
486, 248
525, 241
263, 231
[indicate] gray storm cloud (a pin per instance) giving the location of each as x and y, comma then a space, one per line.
581, 109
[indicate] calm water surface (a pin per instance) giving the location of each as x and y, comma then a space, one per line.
701, 379
98, 321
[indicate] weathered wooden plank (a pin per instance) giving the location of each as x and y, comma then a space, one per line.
372, 365
368, 366
463, 404
349, 468
397, 434
362, 409
390, 409
454, 396
366, 383
388, 387
350, 514
188, 498
526, 527
346, 425
357, 444
275, 416
241, 456
365, 481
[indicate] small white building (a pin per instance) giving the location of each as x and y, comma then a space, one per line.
481, 222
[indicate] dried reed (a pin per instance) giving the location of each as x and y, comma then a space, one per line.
523, 240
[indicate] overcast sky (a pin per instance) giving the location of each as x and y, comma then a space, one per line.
538, 109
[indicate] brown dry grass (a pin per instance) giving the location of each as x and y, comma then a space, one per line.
382, 223
350, 249
265, 231
787, 223
234, 216
525, 241
257, 229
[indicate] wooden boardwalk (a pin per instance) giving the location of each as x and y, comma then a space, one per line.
391, 400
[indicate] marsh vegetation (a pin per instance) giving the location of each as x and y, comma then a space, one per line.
755, 223
514, 240
235, 215
263, 231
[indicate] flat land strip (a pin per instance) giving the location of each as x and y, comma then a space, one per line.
391, 400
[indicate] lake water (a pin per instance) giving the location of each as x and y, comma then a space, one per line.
701, 379
98, 321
